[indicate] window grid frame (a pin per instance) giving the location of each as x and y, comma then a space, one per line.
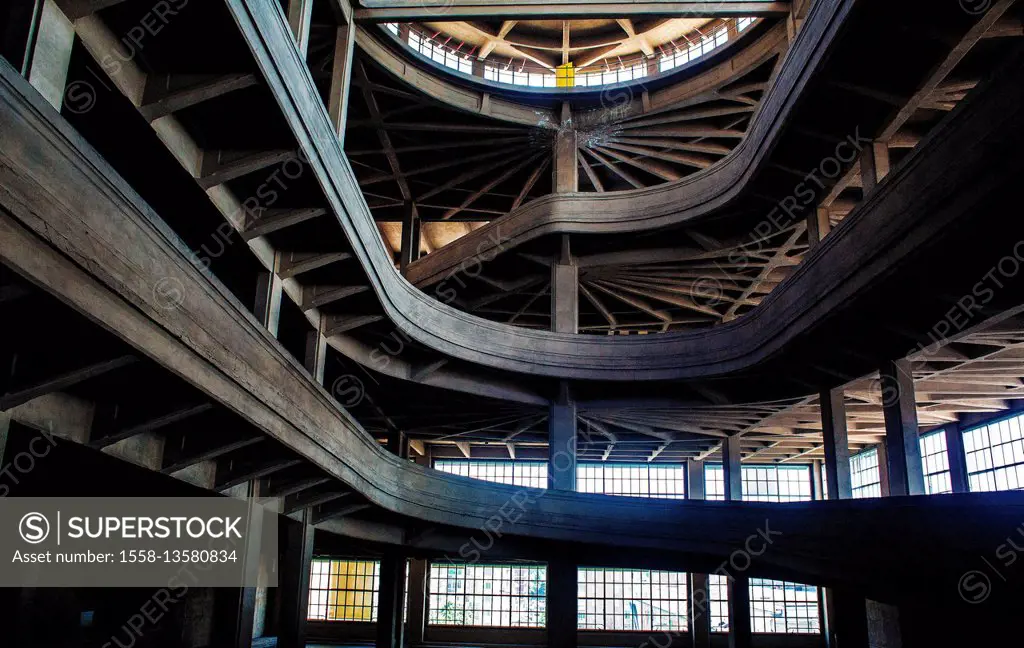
475, 579
522, 473
763, 483
604, 594
718, 600
935, 463
320, 590
866, 474
651, 481
994, 454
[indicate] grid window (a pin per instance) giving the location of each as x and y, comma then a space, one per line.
506, 596
440, 54
718, 602
659, 481
864, 474
777, 483
824, 481
344, 590
532, 474
935, 463
631, 599
714, 482
776, 607
700, 48
995, 456
783, 608
762, 483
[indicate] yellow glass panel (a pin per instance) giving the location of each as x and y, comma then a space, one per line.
565, 76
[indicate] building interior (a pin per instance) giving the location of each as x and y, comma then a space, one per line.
415, 255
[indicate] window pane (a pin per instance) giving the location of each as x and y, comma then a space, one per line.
631, 600
995, 455
343, 590
487, 595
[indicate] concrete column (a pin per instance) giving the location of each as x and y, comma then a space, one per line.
906, 476
398, 443
416, 619
300, 16
817, 484
818, 225
739, 586
235, 609
837, 447
874, 165
883, 470
341, 78
695, 488
740, 635
267, 309
316, 355
565, 296
18, 22
957, 458
846, 619
700, 616
51, 55
410, 236
296, 551
697, 601
732, 469
390, 613
565, 166
562, 441
562, 603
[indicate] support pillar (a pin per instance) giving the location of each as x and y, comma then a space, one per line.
846, 619
565, 296
818, 225
817, 483
341, 77
561, 600
316, 354
837, 447
390, 612
874, 165
416, 621
47, 67
883, 469
740, 635
410, 237
903, 446
739, 586
398, 443
565, 166
296, 550
732, 469
19, 20
698, 603
300, 17
562, 442
695, 488
269, 290
235, 608
957, 458
699, 597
